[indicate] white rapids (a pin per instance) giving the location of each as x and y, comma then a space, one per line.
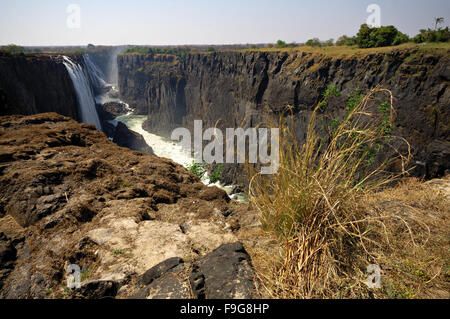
161, 146
164, 147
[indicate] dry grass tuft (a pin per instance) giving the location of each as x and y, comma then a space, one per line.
315, 206
412, 244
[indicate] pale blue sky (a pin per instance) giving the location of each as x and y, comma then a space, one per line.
43, 22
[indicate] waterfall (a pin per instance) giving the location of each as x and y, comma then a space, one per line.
96, 75
84, 93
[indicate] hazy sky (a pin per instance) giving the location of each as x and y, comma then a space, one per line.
44, 22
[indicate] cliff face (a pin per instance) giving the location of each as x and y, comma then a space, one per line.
137, 71
237, 87
31, 84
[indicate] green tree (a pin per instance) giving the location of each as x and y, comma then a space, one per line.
281, 44
12, 49
315, 42
400, 38
342, 40
364, 37
429, 35
369, 37
345, 40
437, 22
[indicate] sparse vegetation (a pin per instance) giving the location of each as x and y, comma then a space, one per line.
436, 35
126, 184
216, 174
12, 49
86, 273
198, 169
121, 252
179, 52
345, 40
315, 42
79, 52
327, 94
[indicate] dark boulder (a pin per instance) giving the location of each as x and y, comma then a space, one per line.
225, 273
127, 138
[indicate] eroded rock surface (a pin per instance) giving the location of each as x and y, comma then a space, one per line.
71, 196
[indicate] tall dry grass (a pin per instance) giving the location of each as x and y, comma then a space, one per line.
312, 204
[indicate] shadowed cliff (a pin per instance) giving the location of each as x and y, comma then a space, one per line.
239, 87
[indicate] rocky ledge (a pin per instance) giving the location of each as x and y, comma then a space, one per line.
138, 226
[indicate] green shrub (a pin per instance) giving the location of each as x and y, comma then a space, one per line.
80, 52
400, 38
428, 35
315, 42
329, 43
354, 100
345, 40
215, 175
369, 37
197, 169
329, 92
281, 44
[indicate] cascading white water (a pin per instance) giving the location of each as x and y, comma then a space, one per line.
84, 93
96, 75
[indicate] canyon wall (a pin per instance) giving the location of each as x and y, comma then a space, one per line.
36, 83
238, 87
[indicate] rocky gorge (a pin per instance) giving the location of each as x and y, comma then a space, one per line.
142, 226
236, 89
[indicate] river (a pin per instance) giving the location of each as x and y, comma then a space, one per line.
164, 147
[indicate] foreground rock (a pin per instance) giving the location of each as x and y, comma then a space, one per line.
136, 225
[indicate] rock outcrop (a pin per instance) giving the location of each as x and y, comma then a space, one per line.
238, 87
132, 140
135, 224
119, 133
